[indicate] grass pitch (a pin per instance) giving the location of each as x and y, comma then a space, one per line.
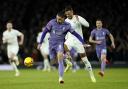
115, 78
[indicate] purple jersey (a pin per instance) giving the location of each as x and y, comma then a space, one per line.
58, 31
57, 36
100, 35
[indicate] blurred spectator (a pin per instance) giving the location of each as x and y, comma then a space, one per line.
30, 16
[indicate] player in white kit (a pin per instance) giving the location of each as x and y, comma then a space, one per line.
76, 22
44, 49
10, 36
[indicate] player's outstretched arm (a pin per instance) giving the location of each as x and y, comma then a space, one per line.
42, 37
83, 21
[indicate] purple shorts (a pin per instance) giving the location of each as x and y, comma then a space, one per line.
54, 48
100, 51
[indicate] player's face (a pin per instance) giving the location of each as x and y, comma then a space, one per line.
9, 26
60, 19
99, 24
69, 14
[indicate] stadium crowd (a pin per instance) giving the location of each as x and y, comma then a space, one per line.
30, 16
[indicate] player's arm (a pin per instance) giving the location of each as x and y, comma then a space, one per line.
78, 37
20, 35
38, 37
112, 40
21, 38
4, 39
83, 21
72, 31
43, 35
45, 31
94, 41
111, 37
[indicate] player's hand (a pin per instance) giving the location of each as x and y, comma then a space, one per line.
21, 43
87, 45
113, 45
98, 42
38, 47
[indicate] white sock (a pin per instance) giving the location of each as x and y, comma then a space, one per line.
88, 65
14, 66
47, 63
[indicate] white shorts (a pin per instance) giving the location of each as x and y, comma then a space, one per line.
12, 50
76, 45
44, 49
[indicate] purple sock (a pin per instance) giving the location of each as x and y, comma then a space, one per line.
61, 68
103, 65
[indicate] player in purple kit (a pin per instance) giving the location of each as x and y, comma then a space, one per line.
58, 29
99, 34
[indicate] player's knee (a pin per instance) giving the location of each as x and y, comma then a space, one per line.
103, 57
60, 56
11, 60
83, 55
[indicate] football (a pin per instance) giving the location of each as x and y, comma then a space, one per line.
28, 61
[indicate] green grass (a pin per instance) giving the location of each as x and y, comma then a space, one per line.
35, 79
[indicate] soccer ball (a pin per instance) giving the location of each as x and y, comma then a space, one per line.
28, 61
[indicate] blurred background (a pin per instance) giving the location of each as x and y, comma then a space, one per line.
29, 16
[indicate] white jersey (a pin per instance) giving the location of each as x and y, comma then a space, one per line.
76, 23
45, 45
10, 37
45, 41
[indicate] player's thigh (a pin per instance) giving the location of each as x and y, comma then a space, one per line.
79, 48
60, 51
12, 51
98, 53
52, 54
103, 54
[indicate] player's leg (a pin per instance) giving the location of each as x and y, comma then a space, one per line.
61, 66
13, 59
13, 64
81, 50
60, 57
67, 58
74, 56
46, 63
88, 66
103, 62
46, 60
